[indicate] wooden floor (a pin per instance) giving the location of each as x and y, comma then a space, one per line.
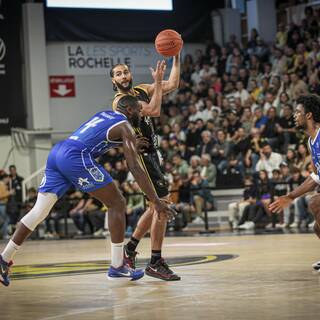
262, 277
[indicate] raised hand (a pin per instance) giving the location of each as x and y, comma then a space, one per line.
158, 73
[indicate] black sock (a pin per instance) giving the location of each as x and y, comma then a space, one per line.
132, 244
155, 256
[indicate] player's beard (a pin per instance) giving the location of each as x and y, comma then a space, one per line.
123, 88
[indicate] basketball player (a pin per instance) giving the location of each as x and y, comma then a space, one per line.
71, 162
307, 118
151, 160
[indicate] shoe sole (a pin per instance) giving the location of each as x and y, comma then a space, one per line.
124, 278
157, 276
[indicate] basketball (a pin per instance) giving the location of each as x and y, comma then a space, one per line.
168, 43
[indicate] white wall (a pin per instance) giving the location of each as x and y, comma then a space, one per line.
18, 157
93, 91
262, 16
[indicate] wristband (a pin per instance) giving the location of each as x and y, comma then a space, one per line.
315, 178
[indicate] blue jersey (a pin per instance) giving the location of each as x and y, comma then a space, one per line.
72, 161
94, 132
315, 151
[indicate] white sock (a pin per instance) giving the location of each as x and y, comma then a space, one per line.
10, 250
117, 254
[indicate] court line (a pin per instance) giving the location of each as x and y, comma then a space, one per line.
201, 244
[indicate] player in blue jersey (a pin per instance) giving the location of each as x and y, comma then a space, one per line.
72, 162
307, 118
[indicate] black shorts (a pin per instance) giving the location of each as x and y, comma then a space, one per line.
151, 164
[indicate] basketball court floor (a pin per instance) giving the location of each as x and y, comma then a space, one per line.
223, 277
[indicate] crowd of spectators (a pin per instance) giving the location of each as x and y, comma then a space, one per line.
230, 124
233, 117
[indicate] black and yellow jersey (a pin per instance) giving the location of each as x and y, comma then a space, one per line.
146, 126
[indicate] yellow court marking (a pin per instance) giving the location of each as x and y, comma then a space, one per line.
86, 267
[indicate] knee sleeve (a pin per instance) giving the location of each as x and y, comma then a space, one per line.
44, 203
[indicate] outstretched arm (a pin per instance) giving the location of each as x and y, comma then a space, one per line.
308, 185
172, 83
153, 108
125, 133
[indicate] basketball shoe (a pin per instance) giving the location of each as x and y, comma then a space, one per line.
129, 257
5, 271
316, 266
161, 271
125, 272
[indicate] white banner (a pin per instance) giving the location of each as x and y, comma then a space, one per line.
98, 58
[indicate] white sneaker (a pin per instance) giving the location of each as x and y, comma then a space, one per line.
198, 220
106, 233
283, 225
311, 225
294, 225
98, 233
249, 225
316, 266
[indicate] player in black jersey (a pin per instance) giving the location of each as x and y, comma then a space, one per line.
151, 161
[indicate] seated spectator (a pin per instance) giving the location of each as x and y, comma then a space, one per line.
194, 165
286, 127
5, 193
303, 157
59, 212
255, 215
221, 151
249, 197
79, 216
206, 145
182, 199
270, 130
202, 196
193, 137
241, 92
269, 160
208, 171
297, 87
180, 165
234, 123
259, 119
15, 200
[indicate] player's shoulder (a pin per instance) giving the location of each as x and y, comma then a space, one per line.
112, 115
142, 88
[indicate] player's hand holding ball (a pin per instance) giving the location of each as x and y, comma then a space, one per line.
168, 43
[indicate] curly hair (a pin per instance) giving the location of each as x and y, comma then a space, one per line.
125, 102
311, 103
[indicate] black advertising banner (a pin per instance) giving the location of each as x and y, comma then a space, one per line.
189, 17
12, 111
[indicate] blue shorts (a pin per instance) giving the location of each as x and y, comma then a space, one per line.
69, 163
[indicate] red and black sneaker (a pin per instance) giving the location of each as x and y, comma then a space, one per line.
5, 271
129, 257
161, 271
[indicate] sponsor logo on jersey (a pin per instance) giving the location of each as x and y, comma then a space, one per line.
96, 174
83, 182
